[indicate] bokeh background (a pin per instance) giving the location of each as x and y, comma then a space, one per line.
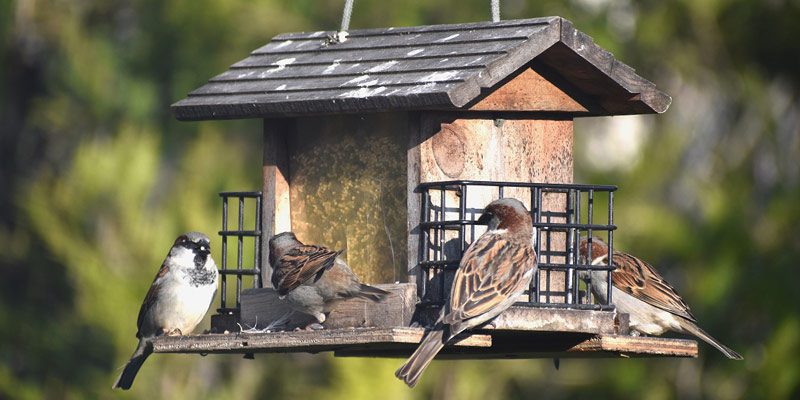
98, 178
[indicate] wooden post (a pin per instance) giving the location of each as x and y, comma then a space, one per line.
275, 210
412, 200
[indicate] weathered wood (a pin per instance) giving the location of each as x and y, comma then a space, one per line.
415, 246
357, 42
487, 52
352, 68
303, 341
527, 345
421, 29
529, 91
436, 67
262, 306
366, 82
652, 346
539, 319
275, 208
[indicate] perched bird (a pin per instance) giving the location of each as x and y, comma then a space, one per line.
177, 300
639, 291
493, 272
312, 278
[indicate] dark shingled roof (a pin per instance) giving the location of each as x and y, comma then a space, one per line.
442, 67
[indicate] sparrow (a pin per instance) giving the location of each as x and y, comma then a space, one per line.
493, 272
177, 301
312, 278
638, 290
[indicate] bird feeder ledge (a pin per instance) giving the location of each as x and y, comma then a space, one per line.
401, 342
382, 331
388, 145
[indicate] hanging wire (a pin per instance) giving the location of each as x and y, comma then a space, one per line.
348, 11
495, 10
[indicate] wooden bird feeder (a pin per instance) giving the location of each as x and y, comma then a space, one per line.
388, 145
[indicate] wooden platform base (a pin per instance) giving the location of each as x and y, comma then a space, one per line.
400, 342
306, 341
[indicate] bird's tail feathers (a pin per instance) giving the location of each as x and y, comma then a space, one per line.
371, 293
412, 370
695, 330
125, 379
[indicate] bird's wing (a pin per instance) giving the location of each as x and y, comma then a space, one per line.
641, 280
151, 297
301, 264
491, 271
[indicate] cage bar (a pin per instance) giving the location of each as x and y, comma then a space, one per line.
246, 202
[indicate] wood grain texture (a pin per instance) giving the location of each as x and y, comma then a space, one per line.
529, 91
539, 319
414, 244
275, 208
414, 68
262, 306
303, 341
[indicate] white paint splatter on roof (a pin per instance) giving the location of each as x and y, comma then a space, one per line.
383, 66
356, 80
281, 87
453, 36
281, 64
283, 44
415, 52
332, 67
439, 76
363, 92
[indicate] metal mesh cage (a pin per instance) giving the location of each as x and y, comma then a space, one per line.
561, 213
246, 235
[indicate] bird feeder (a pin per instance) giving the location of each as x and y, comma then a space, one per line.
388, 144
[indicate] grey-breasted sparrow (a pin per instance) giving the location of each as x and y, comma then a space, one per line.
178, 299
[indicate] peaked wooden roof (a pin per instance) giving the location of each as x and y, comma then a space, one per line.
444, 67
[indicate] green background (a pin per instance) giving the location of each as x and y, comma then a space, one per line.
98, 178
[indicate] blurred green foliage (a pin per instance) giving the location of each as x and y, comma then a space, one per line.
97, 178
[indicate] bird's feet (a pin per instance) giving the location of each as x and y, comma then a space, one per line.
174, 332
315, 326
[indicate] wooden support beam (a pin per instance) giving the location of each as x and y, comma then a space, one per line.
415, 245
275, 210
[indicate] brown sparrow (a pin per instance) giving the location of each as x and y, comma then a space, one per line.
177, 300
493, 272
639, 291
311, 278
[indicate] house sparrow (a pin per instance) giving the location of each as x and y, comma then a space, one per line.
639, 291
177, 300
312, 278
493, 272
